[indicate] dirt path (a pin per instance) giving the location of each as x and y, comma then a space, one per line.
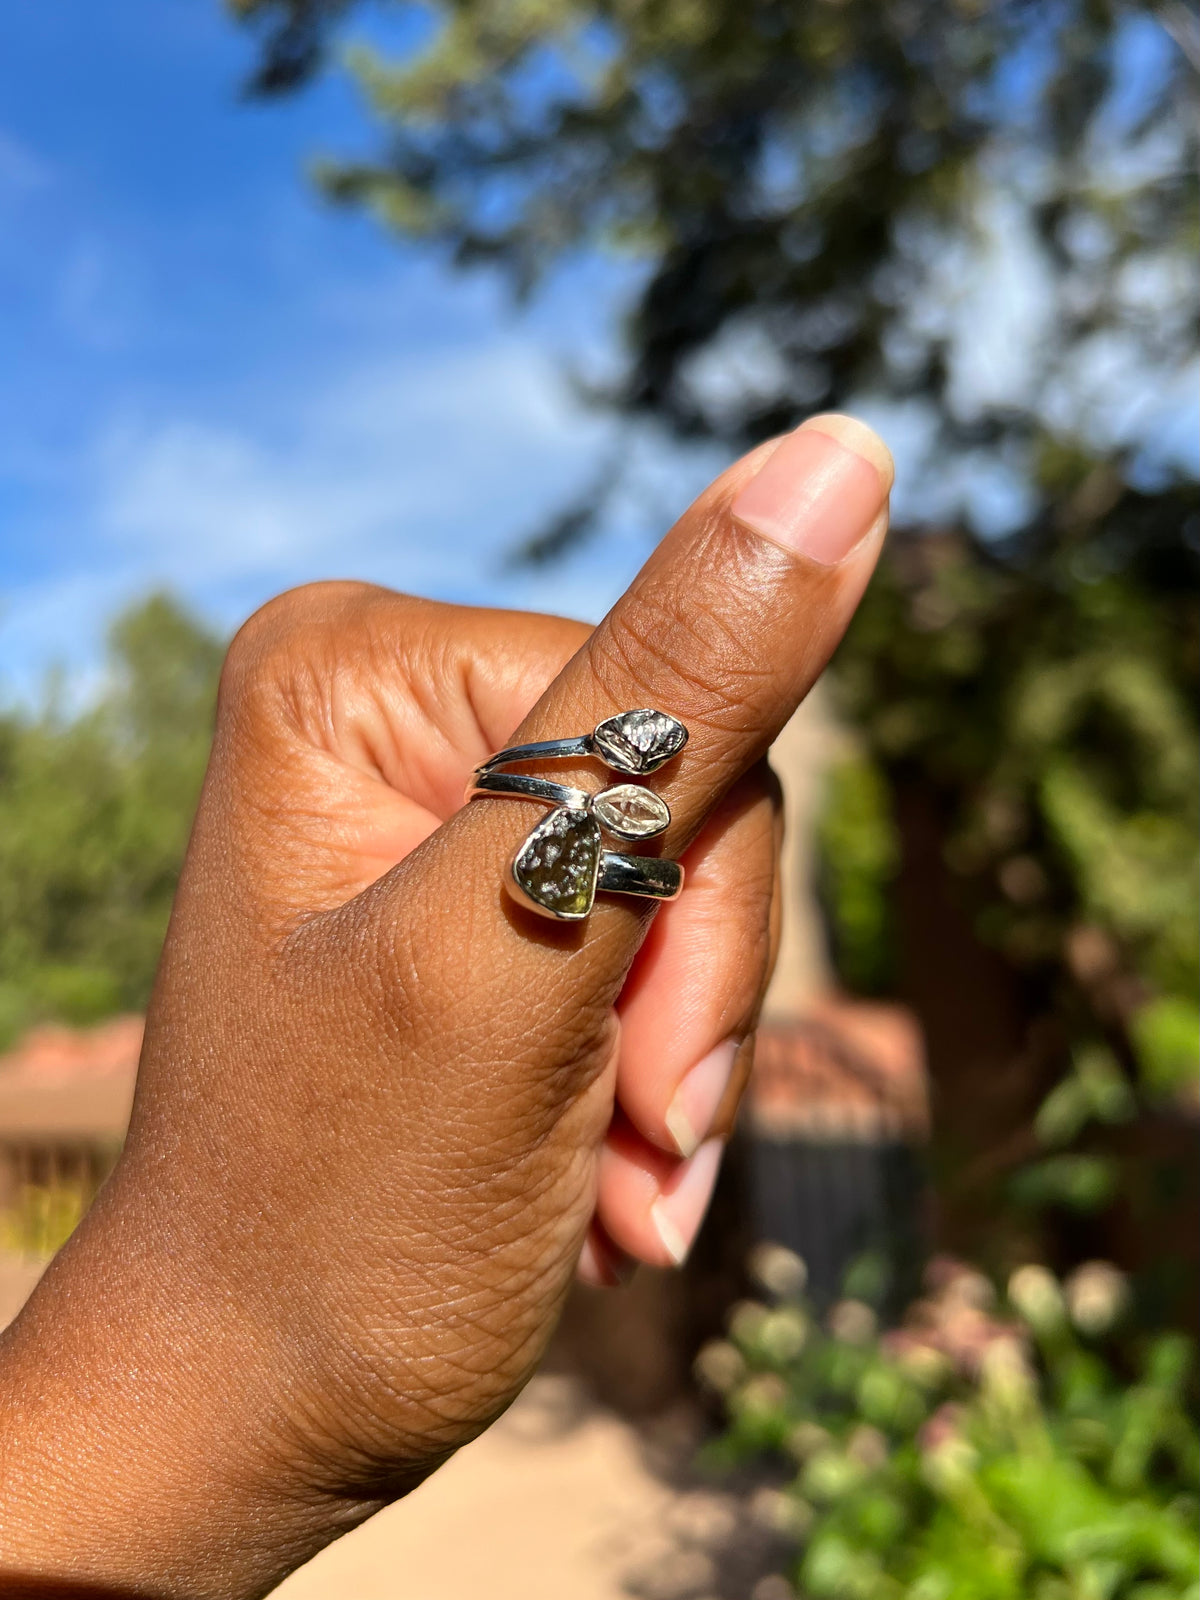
559, 1501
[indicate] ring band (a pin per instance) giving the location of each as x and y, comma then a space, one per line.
561, 866
636, 742
486, 781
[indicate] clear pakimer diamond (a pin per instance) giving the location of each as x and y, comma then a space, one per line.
639, 742
631, 812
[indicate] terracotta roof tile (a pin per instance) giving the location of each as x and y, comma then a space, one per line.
54, 1054
846, 1069
70, 1086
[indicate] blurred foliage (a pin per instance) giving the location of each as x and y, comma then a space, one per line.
858, 851
1012, 1452
1053, 721
95, 809
800, 178
41, 1219
1164, 1036
812, 193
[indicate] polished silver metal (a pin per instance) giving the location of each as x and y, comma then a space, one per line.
637, 742
653, 876
525, 787
542, 750
561, 866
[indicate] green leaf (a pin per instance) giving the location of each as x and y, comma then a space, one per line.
1082, 1183
1095, 1090
1166, 1036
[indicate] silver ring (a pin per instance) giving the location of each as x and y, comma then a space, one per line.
637, 742
561, 866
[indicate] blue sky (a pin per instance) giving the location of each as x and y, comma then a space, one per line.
211, 380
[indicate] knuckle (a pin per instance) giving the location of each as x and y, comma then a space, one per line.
275, 656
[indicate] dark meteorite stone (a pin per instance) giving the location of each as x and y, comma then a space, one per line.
555, 869
639, 742
631, 812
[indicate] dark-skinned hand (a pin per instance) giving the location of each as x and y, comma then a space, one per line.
383, 1113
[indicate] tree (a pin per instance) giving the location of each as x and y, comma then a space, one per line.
95, 811
795, 174
816, 191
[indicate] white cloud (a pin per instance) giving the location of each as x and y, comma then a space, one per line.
432, 464
419, 473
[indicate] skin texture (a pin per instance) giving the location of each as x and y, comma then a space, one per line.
381, 1111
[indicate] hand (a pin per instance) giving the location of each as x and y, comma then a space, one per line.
374, 1126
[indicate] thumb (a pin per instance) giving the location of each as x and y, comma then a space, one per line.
738, 610
725, 628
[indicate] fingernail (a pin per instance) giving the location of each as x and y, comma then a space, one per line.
691, 1112
817, 494
678, 1213
602, 1266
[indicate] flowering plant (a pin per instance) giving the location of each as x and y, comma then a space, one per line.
984, 1449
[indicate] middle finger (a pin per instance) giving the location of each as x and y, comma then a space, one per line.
694, 993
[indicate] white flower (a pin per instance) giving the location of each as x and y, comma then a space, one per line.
783, 1333
1096, 1294
1034, 1292
719, 1366
781, 1512
746, 1319
778, 1270
853, 1322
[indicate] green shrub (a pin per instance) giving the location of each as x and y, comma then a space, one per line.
41, 1219
985, 1449
95, 809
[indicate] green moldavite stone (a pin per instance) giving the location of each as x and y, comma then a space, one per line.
557, 865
